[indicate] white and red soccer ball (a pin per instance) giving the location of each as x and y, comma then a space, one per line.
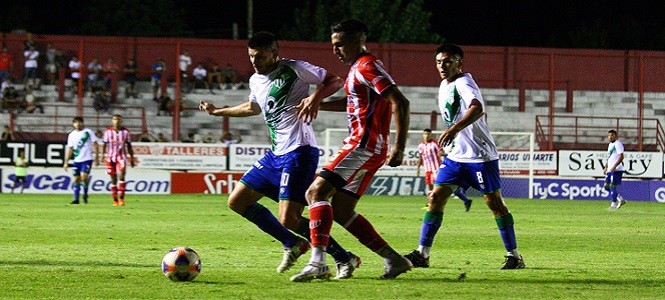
181, 264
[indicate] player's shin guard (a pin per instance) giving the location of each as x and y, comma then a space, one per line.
431, 224
363, 230
507, 230
121, 189
334, 249
266, 221
320, 223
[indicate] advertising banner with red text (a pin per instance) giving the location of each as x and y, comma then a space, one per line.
180, 156
203, 183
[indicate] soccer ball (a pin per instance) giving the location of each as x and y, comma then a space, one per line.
181, 264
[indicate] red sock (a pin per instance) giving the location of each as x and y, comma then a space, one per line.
365, 233
121, 189
320, 223
114, 192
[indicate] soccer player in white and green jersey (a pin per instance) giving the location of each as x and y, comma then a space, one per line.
80, 143
472, 160
279, 89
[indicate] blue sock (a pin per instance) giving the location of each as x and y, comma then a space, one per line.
461, 193
267, 222
506, 226
431, 224
77, 190
334, 248
613, 193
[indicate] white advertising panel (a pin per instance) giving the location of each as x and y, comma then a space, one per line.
591, 163
180, 156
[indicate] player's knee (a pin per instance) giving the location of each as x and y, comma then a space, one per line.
290, 221
313, 194
236, 205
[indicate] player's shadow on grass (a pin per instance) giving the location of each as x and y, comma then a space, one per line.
41, 262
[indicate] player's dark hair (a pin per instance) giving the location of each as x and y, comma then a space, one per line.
263, 39
77, 119
612, 131
451, 49
117, 115
350, 26
427, 130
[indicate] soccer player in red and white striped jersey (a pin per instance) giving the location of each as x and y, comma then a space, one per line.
117, 146
371, 98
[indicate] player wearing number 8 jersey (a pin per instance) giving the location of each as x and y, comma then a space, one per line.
117, 145
279, 89
472, 160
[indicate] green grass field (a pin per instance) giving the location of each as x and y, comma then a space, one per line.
573, 250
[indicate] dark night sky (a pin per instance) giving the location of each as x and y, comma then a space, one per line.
479, 22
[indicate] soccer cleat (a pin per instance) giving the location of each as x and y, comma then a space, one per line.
613, 206
74, 202
115, 203
417, 259
621, 201
395, 268
312, 271
513, 262
292, 254
85, 199
467, 205
345, 269
121, 202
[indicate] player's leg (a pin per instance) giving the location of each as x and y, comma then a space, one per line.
76, 186
22, 182
297, 175
111, 170
121, 170
487, 173
618, 175
85, 178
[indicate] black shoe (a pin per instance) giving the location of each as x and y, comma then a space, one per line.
417, 259
85, 199
513, 262
74, 202
467, 205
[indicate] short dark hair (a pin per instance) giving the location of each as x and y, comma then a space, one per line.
77, 119
262, 39
612, 131
350, 26
451, 49
427, 130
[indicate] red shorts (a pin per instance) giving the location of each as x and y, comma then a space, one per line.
115, 167
430, 176
353, 169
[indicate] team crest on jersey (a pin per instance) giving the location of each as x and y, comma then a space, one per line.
278, 83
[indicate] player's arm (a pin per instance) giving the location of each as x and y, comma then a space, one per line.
473, 113
309, 107
400, 105
95, 146
68, 155
245, 109
130, 150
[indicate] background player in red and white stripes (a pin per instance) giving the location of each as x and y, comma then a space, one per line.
117, 146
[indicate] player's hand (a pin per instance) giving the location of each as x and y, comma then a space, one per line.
132, 163
207, 107
308, 109
447, 137
395, 158
66, 167
418, 172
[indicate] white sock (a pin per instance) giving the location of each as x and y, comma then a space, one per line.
514, 253
318, 255
424, 250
